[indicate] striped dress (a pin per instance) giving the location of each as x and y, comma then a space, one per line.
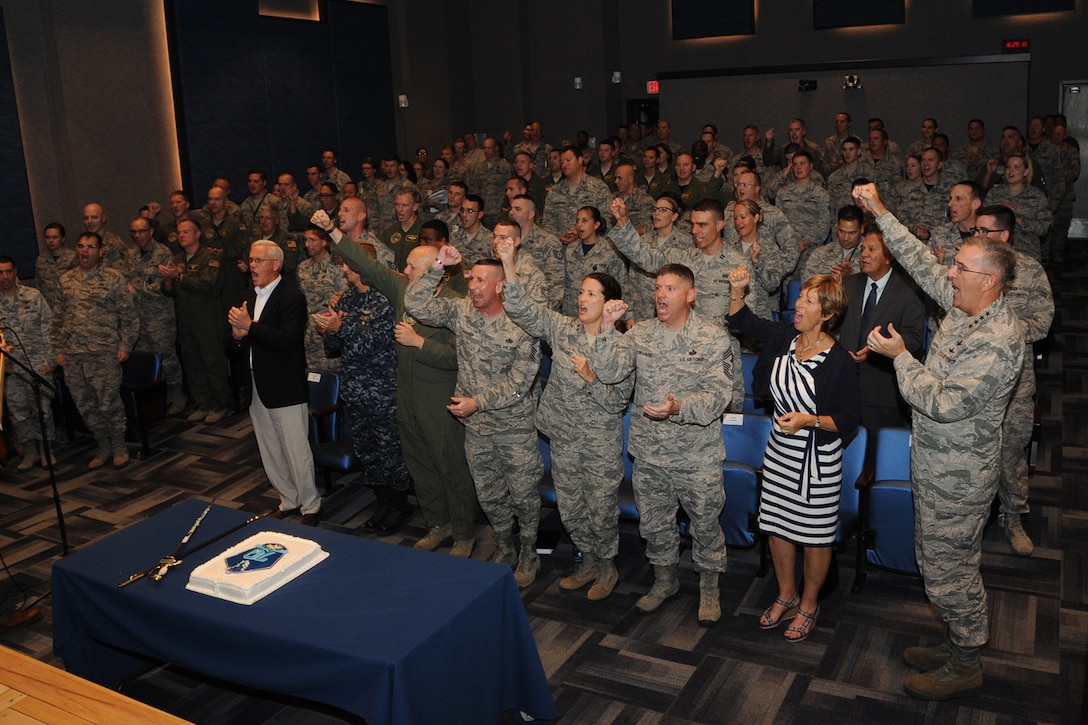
801, 481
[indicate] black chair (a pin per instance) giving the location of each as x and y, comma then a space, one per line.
330, 431
143, 392
336, 455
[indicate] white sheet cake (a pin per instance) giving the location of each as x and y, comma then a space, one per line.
264, 562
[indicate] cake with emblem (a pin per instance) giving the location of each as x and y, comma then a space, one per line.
256, 567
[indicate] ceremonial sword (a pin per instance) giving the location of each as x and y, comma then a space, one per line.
158, 571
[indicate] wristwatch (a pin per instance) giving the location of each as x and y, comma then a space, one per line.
817, 422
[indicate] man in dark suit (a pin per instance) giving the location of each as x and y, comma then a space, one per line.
269, 327
898, 301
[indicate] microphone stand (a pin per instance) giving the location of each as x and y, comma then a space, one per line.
36, 383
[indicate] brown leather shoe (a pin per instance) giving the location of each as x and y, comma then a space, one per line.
311, 519
278, 513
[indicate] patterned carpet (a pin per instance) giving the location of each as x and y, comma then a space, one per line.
607, 664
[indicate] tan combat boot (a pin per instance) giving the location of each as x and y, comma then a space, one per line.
583, 574
666, 586
710, 606
960, 676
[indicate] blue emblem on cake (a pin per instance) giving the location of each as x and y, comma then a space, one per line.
261, 556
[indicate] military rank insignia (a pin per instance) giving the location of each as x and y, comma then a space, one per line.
262, 556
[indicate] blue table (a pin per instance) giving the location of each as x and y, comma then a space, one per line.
386, 632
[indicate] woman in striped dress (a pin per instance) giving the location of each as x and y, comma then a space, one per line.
814, 383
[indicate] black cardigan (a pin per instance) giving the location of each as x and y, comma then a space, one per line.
836, 380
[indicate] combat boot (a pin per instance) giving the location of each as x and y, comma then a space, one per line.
505, 553
927, 659
1014, 532
175, 399
666, 586
381, 510
710, 606
607, 578
585, 573
960, 676
528, 562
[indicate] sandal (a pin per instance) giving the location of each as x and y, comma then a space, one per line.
765, 622
805, 629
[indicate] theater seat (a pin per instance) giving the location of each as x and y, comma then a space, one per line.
889, 506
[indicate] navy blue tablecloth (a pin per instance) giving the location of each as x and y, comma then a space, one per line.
386, 632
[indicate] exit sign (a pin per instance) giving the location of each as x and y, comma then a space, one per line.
652, 87
1022, 45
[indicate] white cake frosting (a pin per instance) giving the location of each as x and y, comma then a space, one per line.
245, 586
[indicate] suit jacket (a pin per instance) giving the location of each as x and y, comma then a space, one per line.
277, 343
900, 304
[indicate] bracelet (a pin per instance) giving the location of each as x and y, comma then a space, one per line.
817, 422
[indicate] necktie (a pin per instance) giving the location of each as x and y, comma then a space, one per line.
867, 316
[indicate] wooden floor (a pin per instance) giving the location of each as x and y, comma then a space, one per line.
605, 663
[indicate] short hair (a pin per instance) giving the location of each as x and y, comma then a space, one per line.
1003, 216
800, 121
1014, 128
832, 296
325, 236
487, 262
331, 151
713, 206
274, 251
527, 198
881, 131
684, 153
475, 199
759, 177
935, 124
712, 127
505, 221
58, 226
997, 255
682, 271
251, 172
791, 148
979, 121
751, 126
851, 213
417, 198
440, 228
976, 190
92, 235
602, 225
519, 182
182, 194
332, 187
849, 118
526, 154
610, 287
607, 142
189, 221
5, 259
802, 153
877, 120
460, 185
853, 139
391, 157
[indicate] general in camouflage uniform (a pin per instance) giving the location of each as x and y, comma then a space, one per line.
158, 327
584, 422
497, 362
28, 319
959, 398
93, 332
684, 368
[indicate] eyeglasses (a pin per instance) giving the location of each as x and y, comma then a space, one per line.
665, 209
257, 260
466, 210
961, 269
983, 231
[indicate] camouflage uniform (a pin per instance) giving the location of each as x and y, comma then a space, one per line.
319, 281
974, 158
584, 422
201, 327
601, 257
29, 318
432, 440
114, 252
248, 209
809, 211
473, 247
368, 383
48, 271
898, 195
678, 459
777, 226
1049, 176
1033, 217
926, 206
885, 173
95, 320
823, 259
496, 365
383, 214
959, 398
338, 177
230, 239
1059, 233
1031, 300
158, 327
531, 279
539, 153
488, 179
563, 202
840, 184
550, 255
640, 208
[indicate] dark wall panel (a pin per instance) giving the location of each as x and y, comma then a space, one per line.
20, 240
272, 93
852, 13
712, 18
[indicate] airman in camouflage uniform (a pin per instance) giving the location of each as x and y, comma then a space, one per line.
93, 332
158, 328
28, 317
52, 264
1033, 217
488, 178
576, 190
684, 370
114, 250
194, 279
1032, 300
497, 362
959, 398
543, 246
584, 421
260, 198
640, 205
806, 205
976, 152
471, 237
590, 252
319, 280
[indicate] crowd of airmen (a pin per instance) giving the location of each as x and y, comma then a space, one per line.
620, 208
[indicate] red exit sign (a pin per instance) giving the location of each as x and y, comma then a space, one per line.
1016, 46
652, 87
